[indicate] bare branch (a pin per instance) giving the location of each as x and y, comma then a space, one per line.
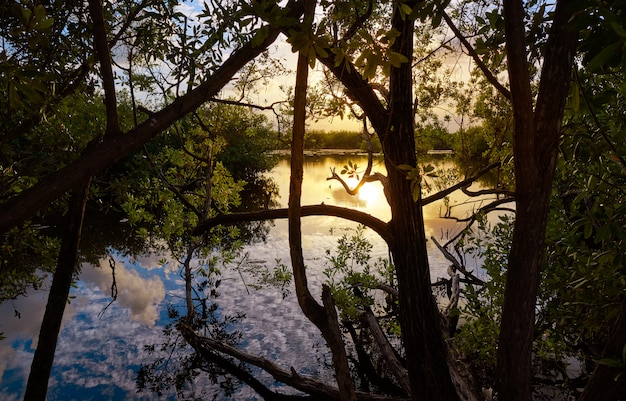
245, 104
388, 289
387, 351
291, 377
336, 344
379, 226
366, 176
382, 89
457, 265
505, 192
479, 62
465, 183
492, 207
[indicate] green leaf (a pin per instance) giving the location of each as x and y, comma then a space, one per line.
588, 231
396, 59
339, 55
25, 14
618, 29
260, 35
436, 20
604, 56
40, 12
320, 51
405, 10
610, 362
370, 69
44, 25
361, 59
575, 96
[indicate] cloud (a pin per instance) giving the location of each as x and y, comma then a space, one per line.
141, 296
21, 323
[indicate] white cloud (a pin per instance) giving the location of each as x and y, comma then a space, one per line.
140, 295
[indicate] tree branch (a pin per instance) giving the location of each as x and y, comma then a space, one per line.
291, 378
457, 265
95, 159
104, 57
359, 21
379, 226
336, 344
387, 351
505, 192
465, 183
474, 55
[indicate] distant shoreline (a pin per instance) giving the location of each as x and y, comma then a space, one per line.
344, 152
324, 152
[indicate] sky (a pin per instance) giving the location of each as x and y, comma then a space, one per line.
270, 93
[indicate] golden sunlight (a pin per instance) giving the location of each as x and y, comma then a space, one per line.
369, 193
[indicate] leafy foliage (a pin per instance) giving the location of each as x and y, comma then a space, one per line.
478, 335
358, 286
585, 275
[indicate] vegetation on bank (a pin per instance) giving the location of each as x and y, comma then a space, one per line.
470, 144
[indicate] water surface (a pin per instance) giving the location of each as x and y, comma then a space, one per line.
100, 348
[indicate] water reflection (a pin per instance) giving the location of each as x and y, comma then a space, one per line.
371, 199
98, 348
317, 189
140, 295
98, 353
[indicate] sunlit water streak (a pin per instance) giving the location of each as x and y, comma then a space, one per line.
99, 352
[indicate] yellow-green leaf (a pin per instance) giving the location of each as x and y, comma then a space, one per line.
396, 59
406, 10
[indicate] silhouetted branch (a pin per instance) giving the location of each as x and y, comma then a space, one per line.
457, 265
387, 351
379, 226
474, 55
506, 192
305, 384
359, 21
493, 206
463, 184
367, 174
103, 54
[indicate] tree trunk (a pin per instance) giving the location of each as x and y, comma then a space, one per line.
535, 146
324, 317
37, 385
426, 351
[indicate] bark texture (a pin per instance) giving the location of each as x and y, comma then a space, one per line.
421, 326
324, 317
535, 145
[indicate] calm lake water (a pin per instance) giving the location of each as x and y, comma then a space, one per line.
100, 350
